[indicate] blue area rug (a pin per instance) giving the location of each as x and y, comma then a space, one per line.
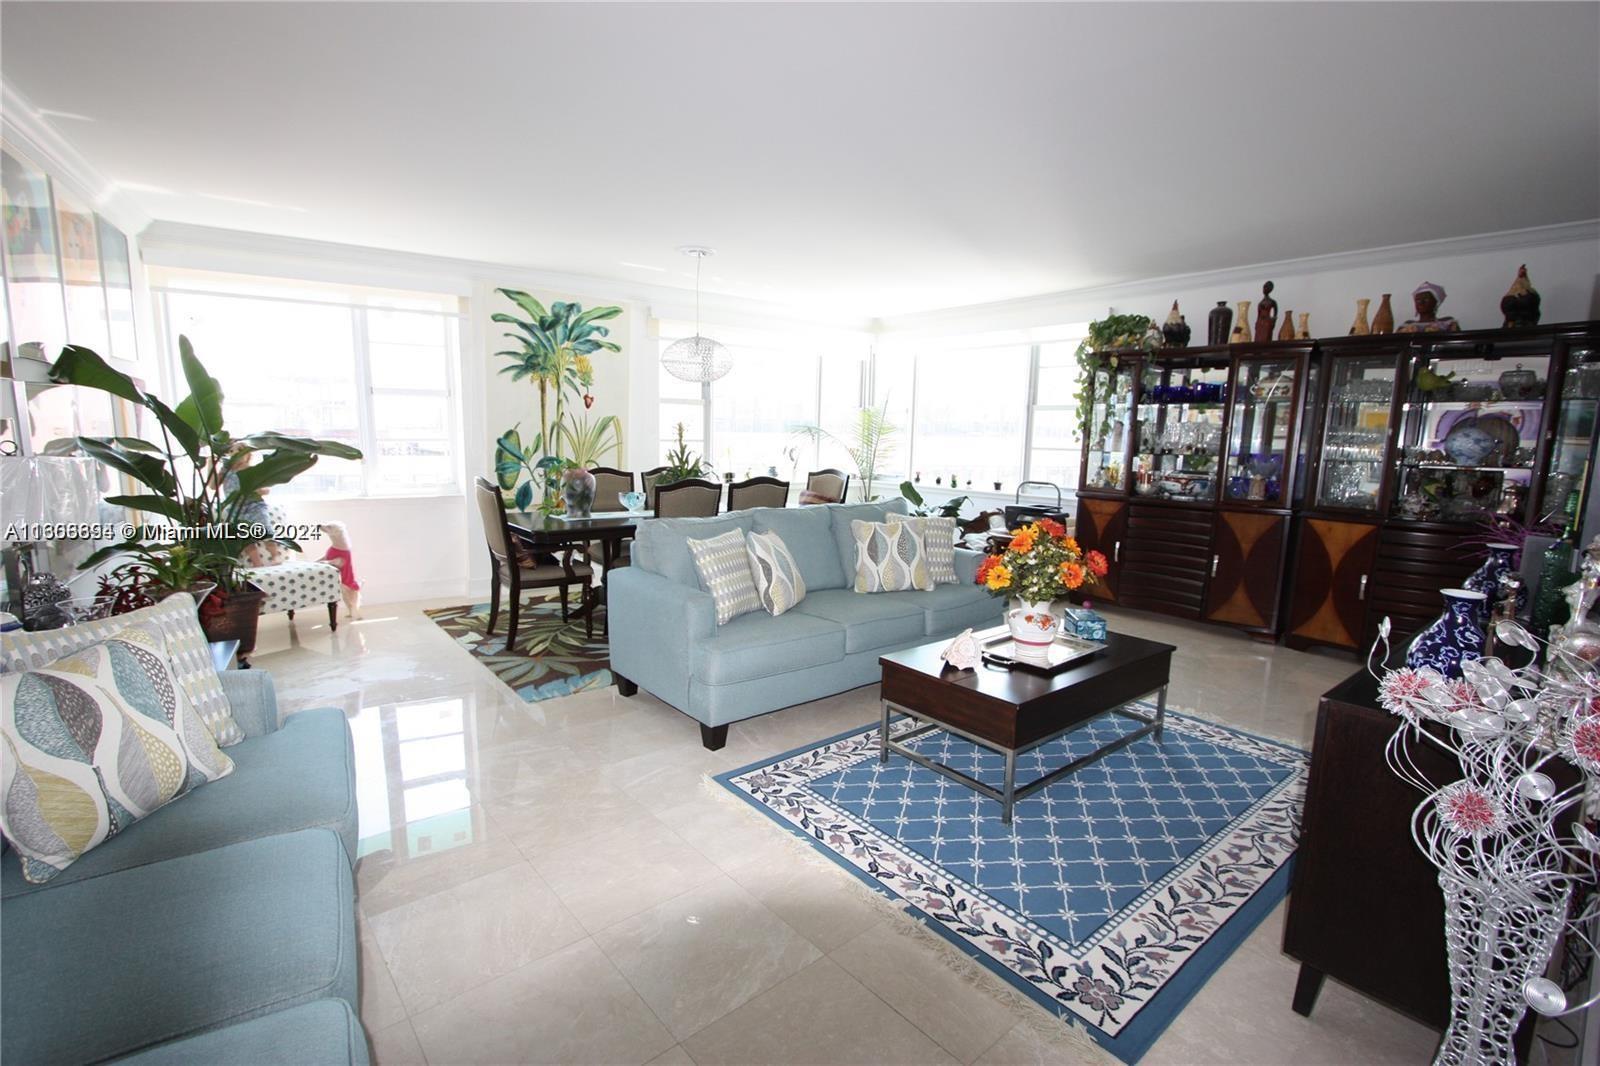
1116, 892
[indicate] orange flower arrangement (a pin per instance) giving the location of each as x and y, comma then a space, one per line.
1041, 563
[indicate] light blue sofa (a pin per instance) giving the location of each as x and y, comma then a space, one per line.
664, 636
219, 929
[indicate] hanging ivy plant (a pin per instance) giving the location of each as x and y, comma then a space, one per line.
1096, 353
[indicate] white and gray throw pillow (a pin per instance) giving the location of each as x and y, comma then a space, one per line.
938, 546
777, 576
889, 557
723, 564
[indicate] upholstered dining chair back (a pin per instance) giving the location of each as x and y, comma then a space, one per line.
492, 509
758, 492
692, 498
829, 483
649, 479
610, 483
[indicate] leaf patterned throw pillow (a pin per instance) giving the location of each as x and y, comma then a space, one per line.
777, 577
91, 743
938, 544
889, 557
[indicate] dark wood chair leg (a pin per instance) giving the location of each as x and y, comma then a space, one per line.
333, 614
1306, 989
588, 611
516, 605
494, 596
564, 589
713, 737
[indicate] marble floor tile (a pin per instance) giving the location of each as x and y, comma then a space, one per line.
719, 825
699, 955
380, 1003
825, 904
569, 1007
547, 817
1029, 1043
396, 1045
673, 1056
450, 941
819, 1016
617, 874
390, 877
965, 1015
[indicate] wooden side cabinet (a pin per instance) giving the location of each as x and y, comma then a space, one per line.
1332, 572
1102, 525
1247, 556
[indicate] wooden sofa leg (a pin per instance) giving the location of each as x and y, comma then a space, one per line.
291, 616
713, 736
333, 614
624, 686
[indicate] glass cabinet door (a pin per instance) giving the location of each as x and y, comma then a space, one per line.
1470, 436
1355, 432
1572, 456
1179, 419
1105, 444
1264, 397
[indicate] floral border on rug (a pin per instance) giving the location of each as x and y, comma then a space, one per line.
1138, 954
552, 658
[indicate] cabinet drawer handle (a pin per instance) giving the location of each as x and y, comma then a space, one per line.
1361, 589
1214, 561
1116, 552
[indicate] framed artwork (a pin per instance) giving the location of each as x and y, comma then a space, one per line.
116, 268
80, 270
32, 268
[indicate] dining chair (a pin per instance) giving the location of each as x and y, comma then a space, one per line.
826, 486
609, 485
691, 498
758, 492
511, 564
649, 479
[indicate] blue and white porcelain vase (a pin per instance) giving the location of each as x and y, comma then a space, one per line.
1502, 560
1456, 636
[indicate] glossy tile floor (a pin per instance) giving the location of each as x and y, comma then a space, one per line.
551, 882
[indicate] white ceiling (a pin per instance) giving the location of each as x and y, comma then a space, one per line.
876, 159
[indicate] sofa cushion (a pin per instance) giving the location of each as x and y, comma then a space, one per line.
869, 621
889, 557
661, 545
761, 645
300, 776
95, 741
187, 647
115, 964
323, 1032
722, 564
952, 608
808, 534
843, 514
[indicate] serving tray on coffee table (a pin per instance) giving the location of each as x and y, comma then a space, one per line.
1065, 651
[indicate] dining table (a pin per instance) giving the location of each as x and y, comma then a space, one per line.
551, 533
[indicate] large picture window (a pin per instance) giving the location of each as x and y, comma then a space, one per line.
372, 369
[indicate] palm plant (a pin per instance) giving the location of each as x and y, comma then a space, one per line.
869, 440
553, 349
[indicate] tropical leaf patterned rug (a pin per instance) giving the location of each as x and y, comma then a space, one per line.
1118, 890
552, 658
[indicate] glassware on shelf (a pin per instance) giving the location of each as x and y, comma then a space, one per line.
1355, 436
1572, 456
1260, 431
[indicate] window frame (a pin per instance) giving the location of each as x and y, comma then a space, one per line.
368, 437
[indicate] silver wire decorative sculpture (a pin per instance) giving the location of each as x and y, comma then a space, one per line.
1509, 866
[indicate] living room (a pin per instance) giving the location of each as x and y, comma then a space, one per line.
799, 532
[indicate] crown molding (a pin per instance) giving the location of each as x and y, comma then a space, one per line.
1587, 230
23, 128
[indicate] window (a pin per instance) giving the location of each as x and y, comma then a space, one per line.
969, 416
1054, 446
372, 369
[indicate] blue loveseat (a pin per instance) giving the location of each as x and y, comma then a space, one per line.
664, 635
219, 929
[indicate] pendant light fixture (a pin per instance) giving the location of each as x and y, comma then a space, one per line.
697, 358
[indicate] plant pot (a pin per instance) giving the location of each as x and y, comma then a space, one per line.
235, 617
1033, 628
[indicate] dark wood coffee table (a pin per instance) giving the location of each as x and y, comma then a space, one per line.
1013, 711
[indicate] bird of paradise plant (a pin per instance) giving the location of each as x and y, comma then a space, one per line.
553, 350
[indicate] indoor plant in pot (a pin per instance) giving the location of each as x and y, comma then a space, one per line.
200, 482
1040, 565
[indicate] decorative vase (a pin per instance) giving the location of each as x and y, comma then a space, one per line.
1519, 384
577, 491
1455, 636
1304, 332
1218, 322
1286, 332
1520, 304
1241, 331
1360, 328
1176, 329
1502, 560
1383, 321
1033, 628
1555, 571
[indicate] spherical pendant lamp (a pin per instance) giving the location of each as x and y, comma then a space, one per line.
697, 358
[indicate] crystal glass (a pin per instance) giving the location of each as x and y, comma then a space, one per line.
1179, 440
1106, 431
1355, 436
1572, 457
1258, 438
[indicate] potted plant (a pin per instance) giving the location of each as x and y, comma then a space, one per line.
1096, 354
1040, 565
951, 508
198, 480
869, 441
682, 464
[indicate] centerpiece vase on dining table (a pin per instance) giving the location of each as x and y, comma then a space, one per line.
577, 491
